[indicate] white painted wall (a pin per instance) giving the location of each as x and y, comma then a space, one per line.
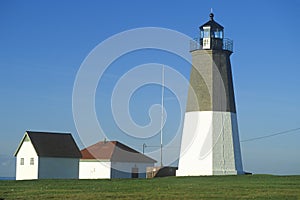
26, 171
236, 142
196, 145
58, 168
94, 169
226, 151
210, 144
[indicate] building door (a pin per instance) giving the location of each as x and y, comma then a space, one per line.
134, 172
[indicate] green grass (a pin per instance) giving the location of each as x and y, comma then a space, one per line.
218, 187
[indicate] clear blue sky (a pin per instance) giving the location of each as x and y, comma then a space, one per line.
43, 44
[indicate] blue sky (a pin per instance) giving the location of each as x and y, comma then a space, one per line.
43, 44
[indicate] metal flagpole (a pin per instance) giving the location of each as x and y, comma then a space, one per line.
162, 114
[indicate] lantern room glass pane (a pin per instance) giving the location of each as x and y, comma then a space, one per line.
206, 32
201, 34
218, 34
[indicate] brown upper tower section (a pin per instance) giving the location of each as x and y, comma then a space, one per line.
211, 86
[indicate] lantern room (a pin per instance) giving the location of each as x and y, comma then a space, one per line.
211, 34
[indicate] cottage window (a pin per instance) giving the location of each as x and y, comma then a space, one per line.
31, 161
22, 161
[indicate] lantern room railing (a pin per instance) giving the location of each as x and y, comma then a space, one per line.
227, 44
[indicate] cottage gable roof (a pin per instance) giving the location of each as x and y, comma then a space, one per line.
48, 144
114, 151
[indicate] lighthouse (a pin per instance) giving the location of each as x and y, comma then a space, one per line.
210, 140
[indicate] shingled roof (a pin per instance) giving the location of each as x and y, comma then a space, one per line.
48, 144
114, 151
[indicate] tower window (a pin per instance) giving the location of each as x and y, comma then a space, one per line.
22, 161
31, 161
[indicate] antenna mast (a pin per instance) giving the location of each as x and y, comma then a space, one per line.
162, 114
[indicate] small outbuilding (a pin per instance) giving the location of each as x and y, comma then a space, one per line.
112, 159
44, 155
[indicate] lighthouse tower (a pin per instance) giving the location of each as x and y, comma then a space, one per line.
210, 140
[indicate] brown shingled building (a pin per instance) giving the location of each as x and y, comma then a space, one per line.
112, 159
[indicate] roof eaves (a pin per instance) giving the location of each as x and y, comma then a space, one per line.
34, 144
94, 160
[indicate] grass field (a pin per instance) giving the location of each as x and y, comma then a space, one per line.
220, 187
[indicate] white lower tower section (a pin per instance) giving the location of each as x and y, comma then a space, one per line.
210, 144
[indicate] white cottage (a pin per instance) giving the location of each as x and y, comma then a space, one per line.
105, 160
44, 155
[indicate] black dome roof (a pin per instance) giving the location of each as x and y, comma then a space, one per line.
212, 23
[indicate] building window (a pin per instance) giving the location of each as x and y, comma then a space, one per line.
22, 161
31, 161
